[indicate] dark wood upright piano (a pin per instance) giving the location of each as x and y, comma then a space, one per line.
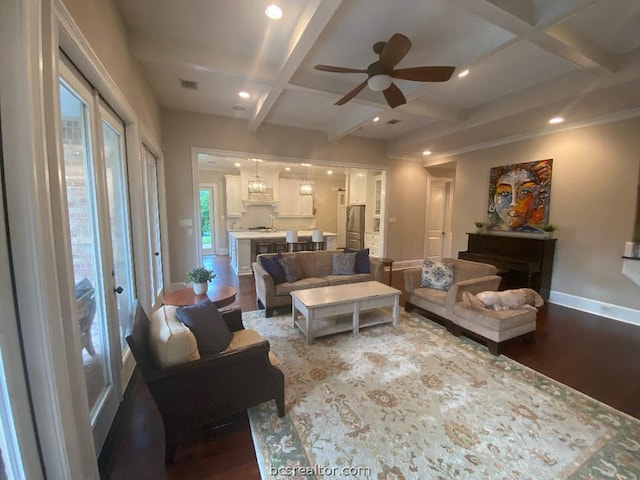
522, 261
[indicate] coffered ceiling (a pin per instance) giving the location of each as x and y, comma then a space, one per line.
528, 60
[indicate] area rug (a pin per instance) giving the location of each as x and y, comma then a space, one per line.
415, 402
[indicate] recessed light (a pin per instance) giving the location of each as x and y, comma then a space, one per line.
274, 12
427, 152
243, 94
237, 164
463, 73
376, 119
556, 120
288, 169
329, 172
305, 164
256, 159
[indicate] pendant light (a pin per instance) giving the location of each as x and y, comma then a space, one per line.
257, 185
306, 187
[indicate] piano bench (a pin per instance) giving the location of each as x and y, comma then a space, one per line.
494, 326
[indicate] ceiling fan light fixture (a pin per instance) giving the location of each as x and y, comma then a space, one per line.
379, 83
463, 73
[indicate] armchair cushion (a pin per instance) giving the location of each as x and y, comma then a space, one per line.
245, 337
343, 263
362, 260
273, 268
170, 341
207, 325
291, 270
437, 275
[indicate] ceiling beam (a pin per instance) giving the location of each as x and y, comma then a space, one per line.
312, 23
548, 35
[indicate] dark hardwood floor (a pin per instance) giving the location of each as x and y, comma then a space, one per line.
594, 355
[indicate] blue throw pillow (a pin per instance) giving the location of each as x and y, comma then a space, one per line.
207, 325
362, 260
273, 268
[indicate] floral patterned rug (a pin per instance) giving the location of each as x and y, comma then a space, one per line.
415, 402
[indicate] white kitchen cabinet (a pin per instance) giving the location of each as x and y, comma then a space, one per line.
291, 203
372, 242
357, 187
233, 195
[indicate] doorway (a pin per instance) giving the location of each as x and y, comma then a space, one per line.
438, 235
208, 215
342, 219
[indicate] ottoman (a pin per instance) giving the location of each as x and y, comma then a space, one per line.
494, 326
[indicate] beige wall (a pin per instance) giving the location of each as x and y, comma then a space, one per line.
593, 200
102, 25
184, 130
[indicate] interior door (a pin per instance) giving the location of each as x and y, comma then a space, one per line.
153, 224
437, 222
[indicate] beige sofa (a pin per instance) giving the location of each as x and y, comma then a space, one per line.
316, 268
468, 276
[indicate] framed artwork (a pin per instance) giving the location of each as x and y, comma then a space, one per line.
519, 196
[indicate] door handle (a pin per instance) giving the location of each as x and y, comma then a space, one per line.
118, 290
157, 254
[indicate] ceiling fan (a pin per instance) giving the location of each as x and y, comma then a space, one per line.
381, 73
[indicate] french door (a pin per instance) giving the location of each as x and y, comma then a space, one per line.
94, 167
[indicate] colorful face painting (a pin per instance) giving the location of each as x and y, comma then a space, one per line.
519, 196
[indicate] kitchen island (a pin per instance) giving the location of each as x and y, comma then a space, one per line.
242, 245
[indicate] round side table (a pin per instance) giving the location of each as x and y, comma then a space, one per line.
220, 295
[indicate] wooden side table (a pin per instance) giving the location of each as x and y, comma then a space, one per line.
387, 262
220, 295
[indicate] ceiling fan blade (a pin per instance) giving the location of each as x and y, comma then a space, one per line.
394, 96
424, 74
351, 94
329, 68
394, 51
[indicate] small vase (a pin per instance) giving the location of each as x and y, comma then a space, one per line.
200, 288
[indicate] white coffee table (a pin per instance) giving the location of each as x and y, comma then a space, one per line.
340, 308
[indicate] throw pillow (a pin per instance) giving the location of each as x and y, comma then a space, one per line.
437, 275
362, 260
291, 270
343, 263
273, 268
207, 325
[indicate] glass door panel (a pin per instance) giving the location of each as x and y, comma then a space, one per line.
91, 317
115, 167
153, 223
206, 223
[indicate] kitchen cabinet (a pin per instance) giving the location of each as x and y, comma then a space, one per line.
233, 195
292, 204
372, 242
357, 187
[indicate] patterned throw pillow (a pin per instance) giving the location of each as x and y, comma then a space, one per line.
437, 275
291, 270
344, 263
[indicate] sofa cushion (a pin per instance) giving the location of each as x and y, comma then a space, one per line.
313, 282
208, 326
344, 279
246, 337
437, 275
343, 264
362, 260
324, 263
432, 295
273, 268
291, 270
170, 341
306, 262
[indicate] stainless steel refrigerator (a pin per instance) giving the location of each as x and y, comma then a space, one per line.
355, 227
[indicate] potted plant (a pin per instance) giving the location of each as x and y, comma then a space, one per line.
548, 229
479, 226
200, 277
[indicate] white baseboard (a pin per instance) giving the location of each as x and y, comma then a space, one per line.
595, 307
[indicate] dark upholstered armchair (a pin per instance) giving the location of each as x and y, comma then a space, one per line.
201, 392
